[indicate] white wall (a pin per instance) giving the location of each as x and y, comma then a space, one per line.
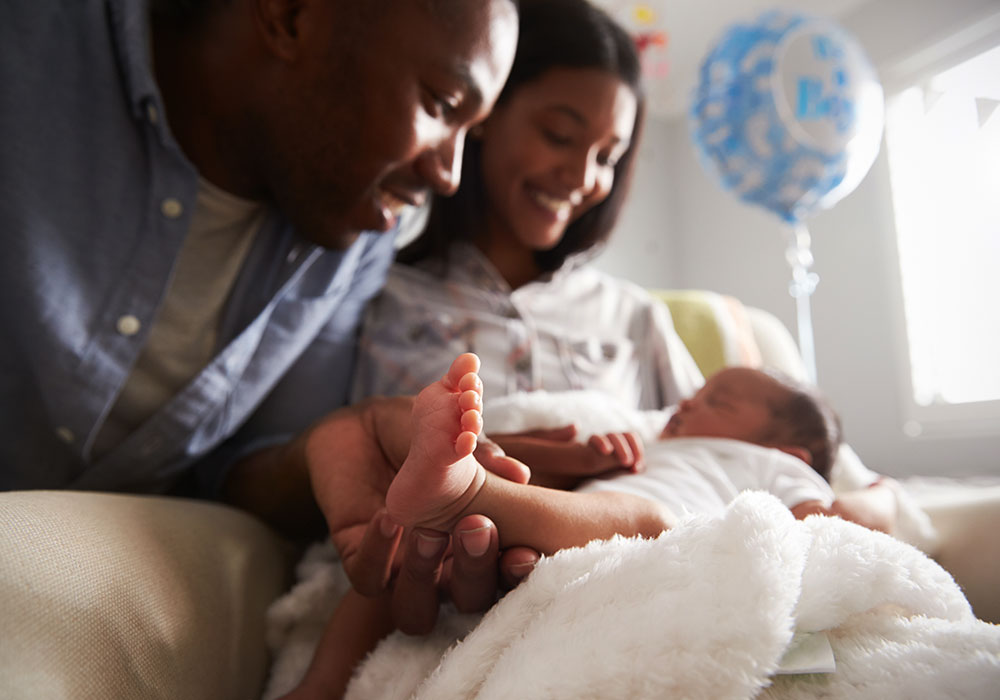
682, 230
642, 249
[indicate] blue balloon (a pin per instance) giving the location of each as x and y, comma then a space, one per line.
788, 113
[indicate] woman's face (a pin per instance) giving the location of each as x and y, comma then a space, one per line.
549, 153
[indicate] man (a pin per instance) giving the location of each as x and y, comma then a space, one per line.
185, 188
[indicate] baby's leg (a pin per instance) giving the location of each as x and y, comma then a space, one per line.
440, 477
440, 481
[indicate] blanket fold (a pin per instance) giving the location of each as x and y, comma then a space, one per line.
706, 611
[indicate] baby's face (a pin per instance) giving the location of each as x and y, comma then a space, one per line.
734, 403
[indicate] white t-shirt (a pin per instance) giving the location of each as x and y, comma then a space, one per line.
183, 337
703, 475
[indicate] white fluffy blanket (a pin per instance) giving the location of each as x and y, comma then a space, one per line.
706, 610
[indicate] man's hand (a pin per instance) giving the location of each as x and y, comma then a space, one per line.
463, 565
352, 457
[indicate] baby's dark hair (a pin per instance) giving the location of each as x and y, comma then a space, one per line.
806, 420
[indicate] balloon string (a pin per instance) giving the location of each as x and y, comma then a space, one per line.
803, 284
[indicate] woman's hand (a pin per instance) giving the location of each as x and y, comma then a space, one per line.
556, 460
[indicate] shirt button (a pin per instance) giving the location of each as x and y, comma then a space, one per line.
152, 113
128, 325
65, 434
171, 208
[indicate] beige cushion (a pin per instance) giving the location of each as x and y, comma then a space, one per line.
714, 327
112, 596
967, 517
778, 349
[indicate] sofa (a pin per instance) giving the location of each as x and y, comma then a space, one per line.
126, 596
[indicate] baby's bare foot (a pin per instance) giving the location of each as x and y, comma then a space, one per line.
440, 477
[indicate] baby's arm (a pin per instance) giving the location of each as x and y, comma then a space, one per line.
873, 507
807, 508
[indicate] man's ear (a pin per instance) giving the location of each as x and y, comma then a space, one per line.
796, 451
277, 23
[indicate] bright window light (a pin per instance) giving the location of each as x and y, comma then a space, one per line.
943, 139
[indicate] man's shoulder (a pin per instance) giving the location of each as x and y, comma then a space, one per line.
54, 21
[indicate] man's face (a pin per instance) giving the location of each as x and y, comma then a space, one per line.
372, 112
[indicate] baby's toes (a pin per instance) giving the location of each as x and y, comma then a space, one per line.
471, 382
464, 364
472, 421
470, 401
465, 444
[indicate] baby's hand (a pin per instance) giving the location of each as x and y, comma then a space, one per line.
558, 461
625, 450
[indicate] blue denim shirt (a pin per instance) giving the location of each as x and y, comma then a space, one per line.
95, 196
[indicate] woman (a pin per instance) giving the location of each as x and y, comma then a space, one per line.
499, 268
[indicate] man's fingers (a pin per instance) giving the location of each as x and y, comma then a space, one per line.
515, 565
493, 458
371, 566
415, 593
473, 576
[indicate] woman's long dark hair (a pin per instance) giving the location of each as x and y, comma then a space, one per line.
553, 34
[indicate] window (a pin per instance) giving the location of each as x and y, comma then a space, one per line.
943, 141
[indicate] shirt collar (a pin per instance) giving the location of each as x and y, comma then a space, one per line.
131, 32
471, 266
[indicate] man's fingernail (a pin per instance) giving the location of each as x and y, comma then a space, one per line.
476, 542
388, 526
522, 570
429, 545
